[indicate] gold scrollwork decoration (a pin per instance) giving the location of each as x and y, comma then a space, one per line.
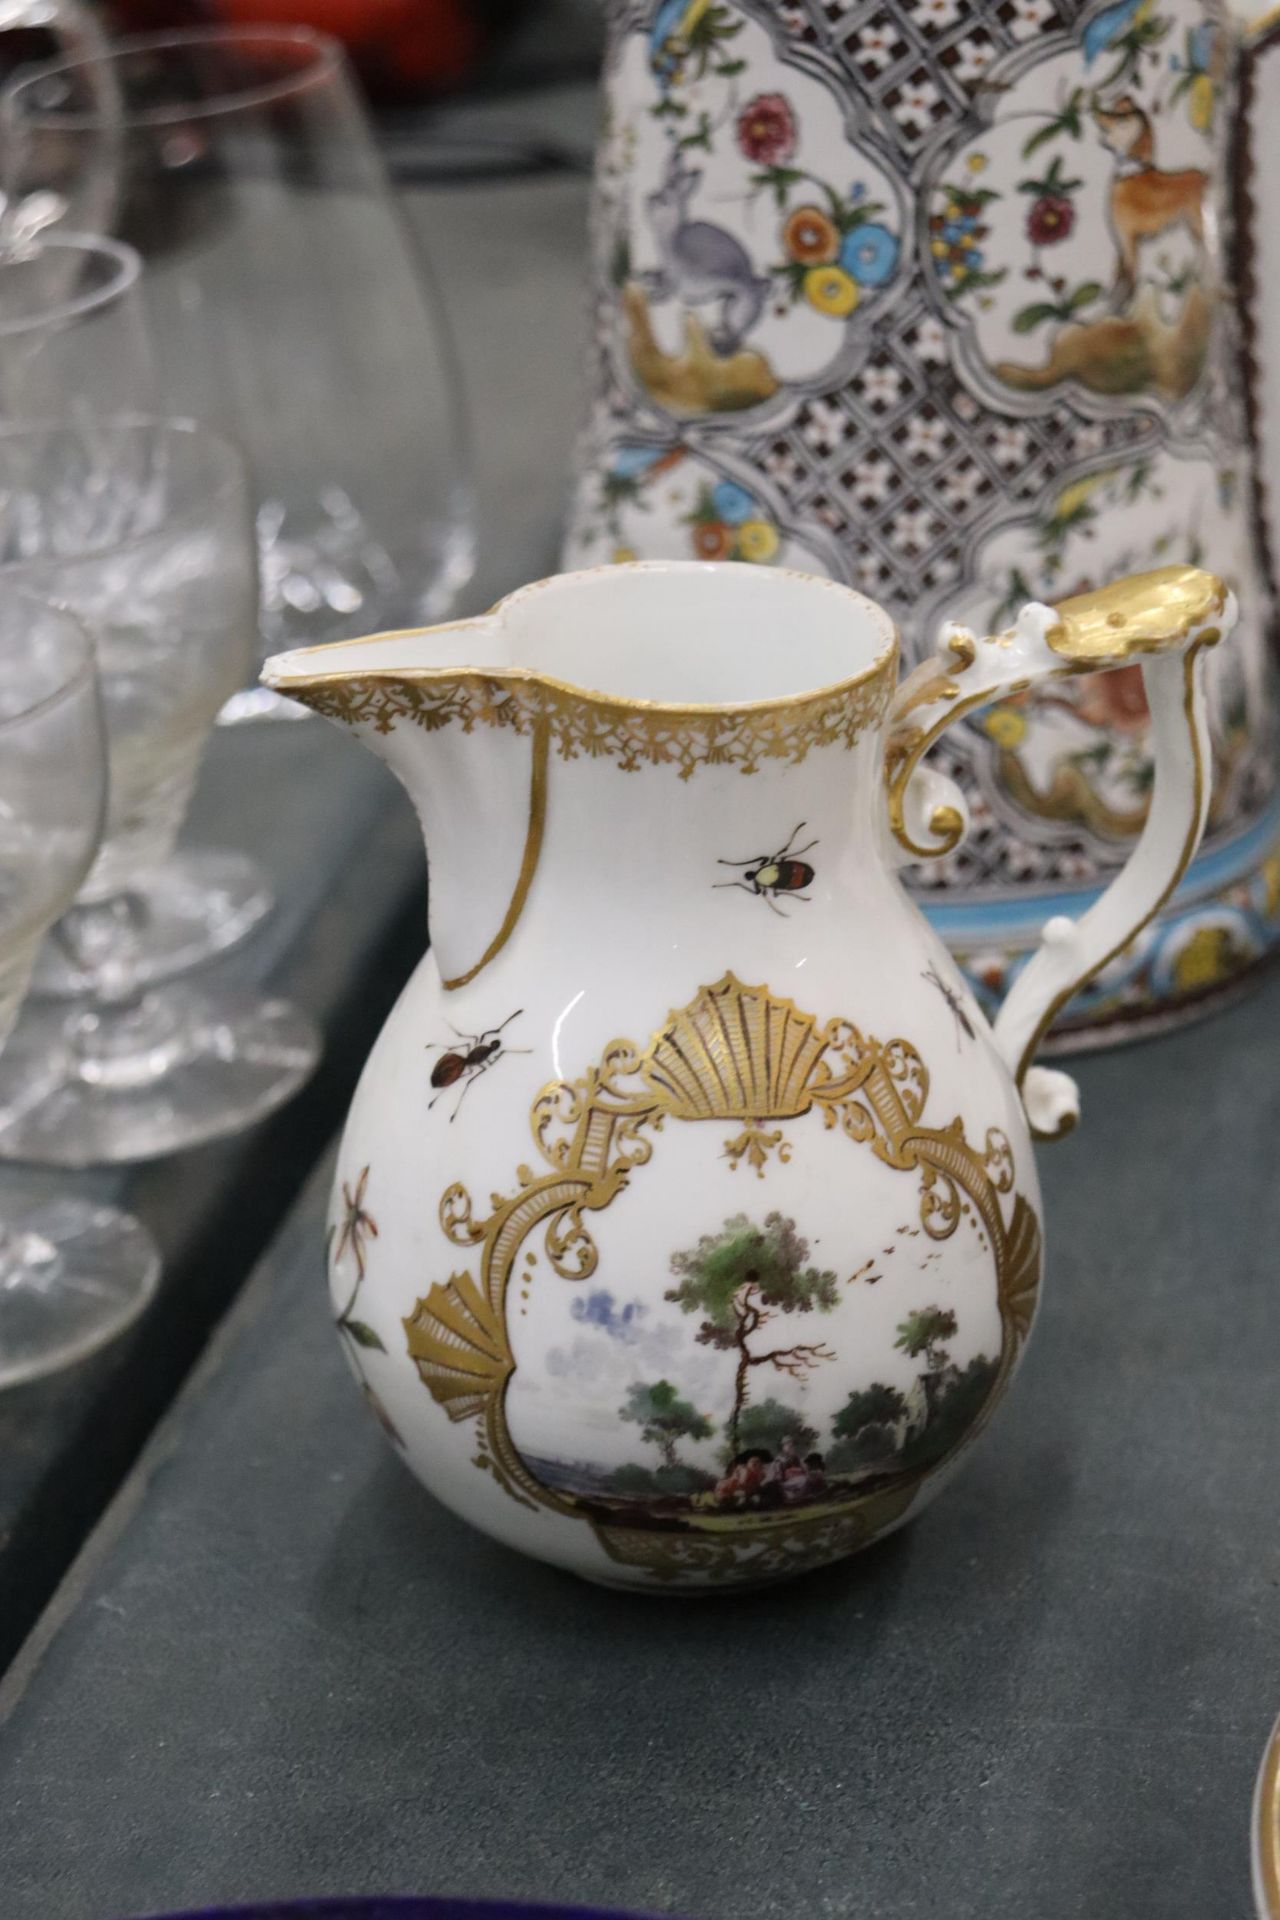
740, 1053
998, 1159
582, 725
754, 1146
1143, 613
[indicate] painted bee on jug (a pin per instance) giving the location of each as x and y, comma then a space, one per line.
769, 874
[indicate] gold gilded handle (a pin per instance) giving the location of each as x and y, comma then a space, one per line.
1162, 621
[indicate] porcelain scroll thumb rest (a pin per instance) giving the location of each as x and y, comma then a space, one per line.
1162, 621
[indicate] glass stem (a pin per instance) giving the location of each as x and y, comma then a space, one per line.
117, 1038
101, 939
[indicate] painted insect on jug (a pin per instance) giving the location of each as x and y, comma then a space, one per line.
686, 1226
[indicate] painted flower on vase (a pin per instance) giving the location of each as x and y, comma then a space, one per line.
956, 233
757, 540
1195, 70
712, 540
869, 253
831, 291
1005, 726
728, 523
767, 129
631, 471
810, 237
1212, 954
733, 503
660, 502
1051, 219
832, 254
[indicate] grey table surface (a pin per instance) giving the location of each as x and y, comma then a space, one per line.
280, 1668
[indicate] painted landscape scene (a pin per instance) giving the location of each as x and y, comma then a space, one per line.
734, 1399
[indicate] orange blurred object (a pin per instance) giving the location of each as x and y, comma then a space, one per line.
401, 48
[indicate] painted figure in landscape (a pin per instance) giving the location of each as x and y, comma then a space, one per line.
748, 1440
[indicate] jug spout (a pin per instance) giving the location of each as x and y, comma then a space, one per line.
433, 706
631, 734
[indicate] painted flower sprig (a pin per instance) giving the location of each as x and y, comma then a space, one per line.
632, 470
834, 251
1195, 75
1067, 122
354, 1229
957, 231
1053, 210
767, 131
728, 524
1050, 220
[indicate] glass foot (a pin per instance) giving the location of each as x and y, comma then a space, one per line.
72, 1276
174, 916
102, 1086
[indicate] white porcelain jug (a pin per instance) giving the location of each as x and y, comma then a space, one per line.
686, 1225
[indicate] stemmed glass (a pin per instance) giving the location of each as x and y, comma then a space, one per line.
32, 30
73, 344
144, 528
72, 1273
72, 327
288, 305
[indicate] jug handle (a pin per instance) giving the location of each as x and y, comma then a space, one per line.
1163, 622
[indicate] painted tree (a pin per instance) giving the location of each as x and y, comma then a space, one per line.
740, 1280
873, 1406
953, 1412
866, 1428
663, 1417
923, 1335
923, 1332
768, 1424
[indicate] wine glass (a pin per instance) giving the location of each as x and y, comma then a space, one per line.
144, 528
72, 327
41, 30
73, 344
287, 302
72, 1273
